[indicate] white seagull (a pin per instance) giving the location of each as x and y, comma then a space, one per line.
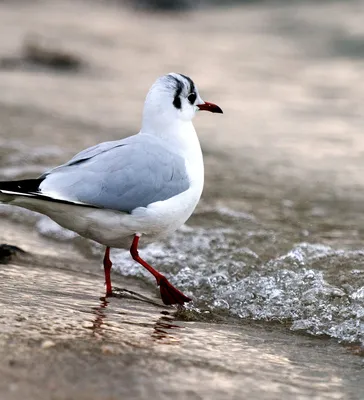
145, 185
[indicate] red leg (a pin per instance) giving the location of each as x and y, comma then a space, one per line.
169, 294
107, 269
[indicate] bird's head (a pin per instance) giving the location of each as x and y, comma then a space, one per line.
175, 97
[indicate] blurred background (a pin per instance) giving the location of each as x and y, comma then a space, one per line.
278, 235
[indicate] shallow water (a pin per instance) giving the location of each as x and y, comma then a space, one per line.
278, 234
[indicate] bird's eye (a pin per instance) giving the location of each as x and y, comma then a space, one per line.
192, 97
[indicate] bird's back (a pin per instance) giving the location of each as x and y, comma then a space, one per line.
119, 175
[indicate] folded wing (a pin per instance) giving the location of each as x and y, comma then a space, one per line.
121, 175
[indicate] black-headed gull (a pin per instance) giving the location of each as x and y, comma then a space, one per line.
145, 185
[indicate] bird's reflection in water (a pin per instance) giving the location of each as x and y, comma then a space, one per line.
164, 330
99, 312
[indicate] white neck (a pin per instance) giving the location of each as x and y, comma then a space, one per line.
182, 139
180, 135
163, 121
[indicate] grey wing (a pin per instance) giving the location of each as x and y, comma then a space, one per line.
130, 174
89, 153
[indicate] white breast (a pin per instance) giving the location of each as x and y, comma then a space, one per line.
163, 217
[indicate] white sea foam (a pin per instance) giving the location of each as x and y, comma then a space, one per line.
284, 289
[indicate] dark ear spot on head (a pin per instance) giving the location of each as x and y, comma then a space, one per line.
177, 102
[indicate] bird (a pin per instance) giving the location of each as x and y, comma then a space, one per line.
140, 188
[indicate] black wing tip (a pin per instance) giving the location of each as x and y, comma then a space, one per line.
22, 186
30, 188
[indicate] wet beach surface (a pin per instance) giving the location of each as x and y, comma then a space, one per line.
58, 341
273, 256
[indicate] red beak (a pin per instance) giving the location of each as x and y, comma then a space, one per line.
210, 107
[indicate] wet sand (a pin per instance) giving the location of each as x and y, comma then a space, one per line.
287, 152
